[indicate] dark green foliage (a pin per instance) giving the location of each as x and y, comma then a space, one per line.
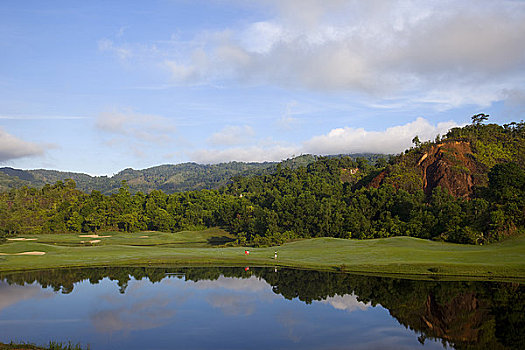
272, 209
328, 197
492, 143
479, 118
7, 182
52, 346
167, 178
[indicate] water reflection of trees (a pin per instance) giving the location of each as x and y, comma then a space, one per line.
464, 314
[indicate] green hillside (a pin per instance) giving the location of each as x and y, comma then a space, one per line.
169, 178
444, 191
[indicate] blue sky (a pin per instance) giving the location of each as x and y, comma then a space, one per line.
99, 86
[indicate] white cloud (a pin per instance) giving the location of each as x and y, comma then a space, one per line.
181, 72
337, 141
120, 51
392, 140
233, 304
515, 103
12, 147
150, 313
251, 284
244, 154
347, 302
232, 135
145, 127
383, 48
13, 294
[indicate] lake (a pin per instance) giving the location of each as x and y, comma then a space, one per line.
256, 308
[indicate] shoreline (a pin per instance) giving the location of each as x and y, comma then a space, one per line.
397, 257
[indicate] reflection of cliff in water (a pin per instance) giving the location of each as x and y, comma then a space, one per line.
463, 314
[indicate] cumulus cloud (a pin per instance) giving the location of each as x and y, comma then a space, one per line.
145, 127
233, 304
11, 147
232, 135
392, 140
252, 284
144, 314
337, 141
13, 294
244, 154
347, 302
383, 48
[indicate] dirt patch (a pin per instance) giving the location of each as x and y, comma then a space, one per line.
25, 253
93, 236
449, 165
21, 239
378, 180
452, 167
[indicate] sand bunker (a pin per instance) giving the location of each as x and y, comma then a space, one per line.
21, 239
144, 237
25, 253
94, 241
93, 236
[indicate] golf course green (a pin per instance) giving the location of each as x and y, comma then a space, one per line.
397, 255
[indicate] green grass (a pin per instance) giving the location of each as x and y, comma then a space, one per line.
202, 238
398, 255
52, 346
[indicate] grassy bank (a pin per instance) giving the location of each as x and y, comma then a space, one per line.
52, 346
398, 255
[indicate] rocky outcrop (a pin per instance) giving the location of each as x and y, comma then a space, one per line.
450, 165
460, 320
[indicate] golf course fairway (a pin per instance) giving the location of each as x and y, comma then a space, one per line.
397, 255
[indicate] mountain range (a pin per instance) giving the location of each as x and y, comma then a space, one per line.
169, 178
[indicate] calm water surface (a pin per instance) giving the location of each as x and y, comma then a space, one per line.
230, 308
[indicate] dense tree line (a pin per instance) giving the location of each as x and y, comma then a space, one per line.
308, 202
329, 197
169, 178
313, 202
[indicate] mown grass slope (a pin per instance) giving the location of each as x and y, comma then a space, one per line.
397, 255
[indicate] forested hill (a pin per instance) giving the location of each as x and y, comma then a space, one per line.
458, 162
169, 178
466, 187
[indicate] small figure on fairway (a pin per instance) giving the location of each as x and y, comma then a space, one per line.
275, 256
246, 252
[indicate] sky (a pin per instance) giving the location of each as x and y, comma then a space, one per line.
100, 86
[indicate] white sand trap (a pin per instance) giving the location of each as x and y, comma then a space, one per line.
92, 242
21, 239
93, 236
144, 237
25, 253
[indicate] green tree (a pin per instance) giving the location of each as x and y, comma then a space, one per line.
477, 119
